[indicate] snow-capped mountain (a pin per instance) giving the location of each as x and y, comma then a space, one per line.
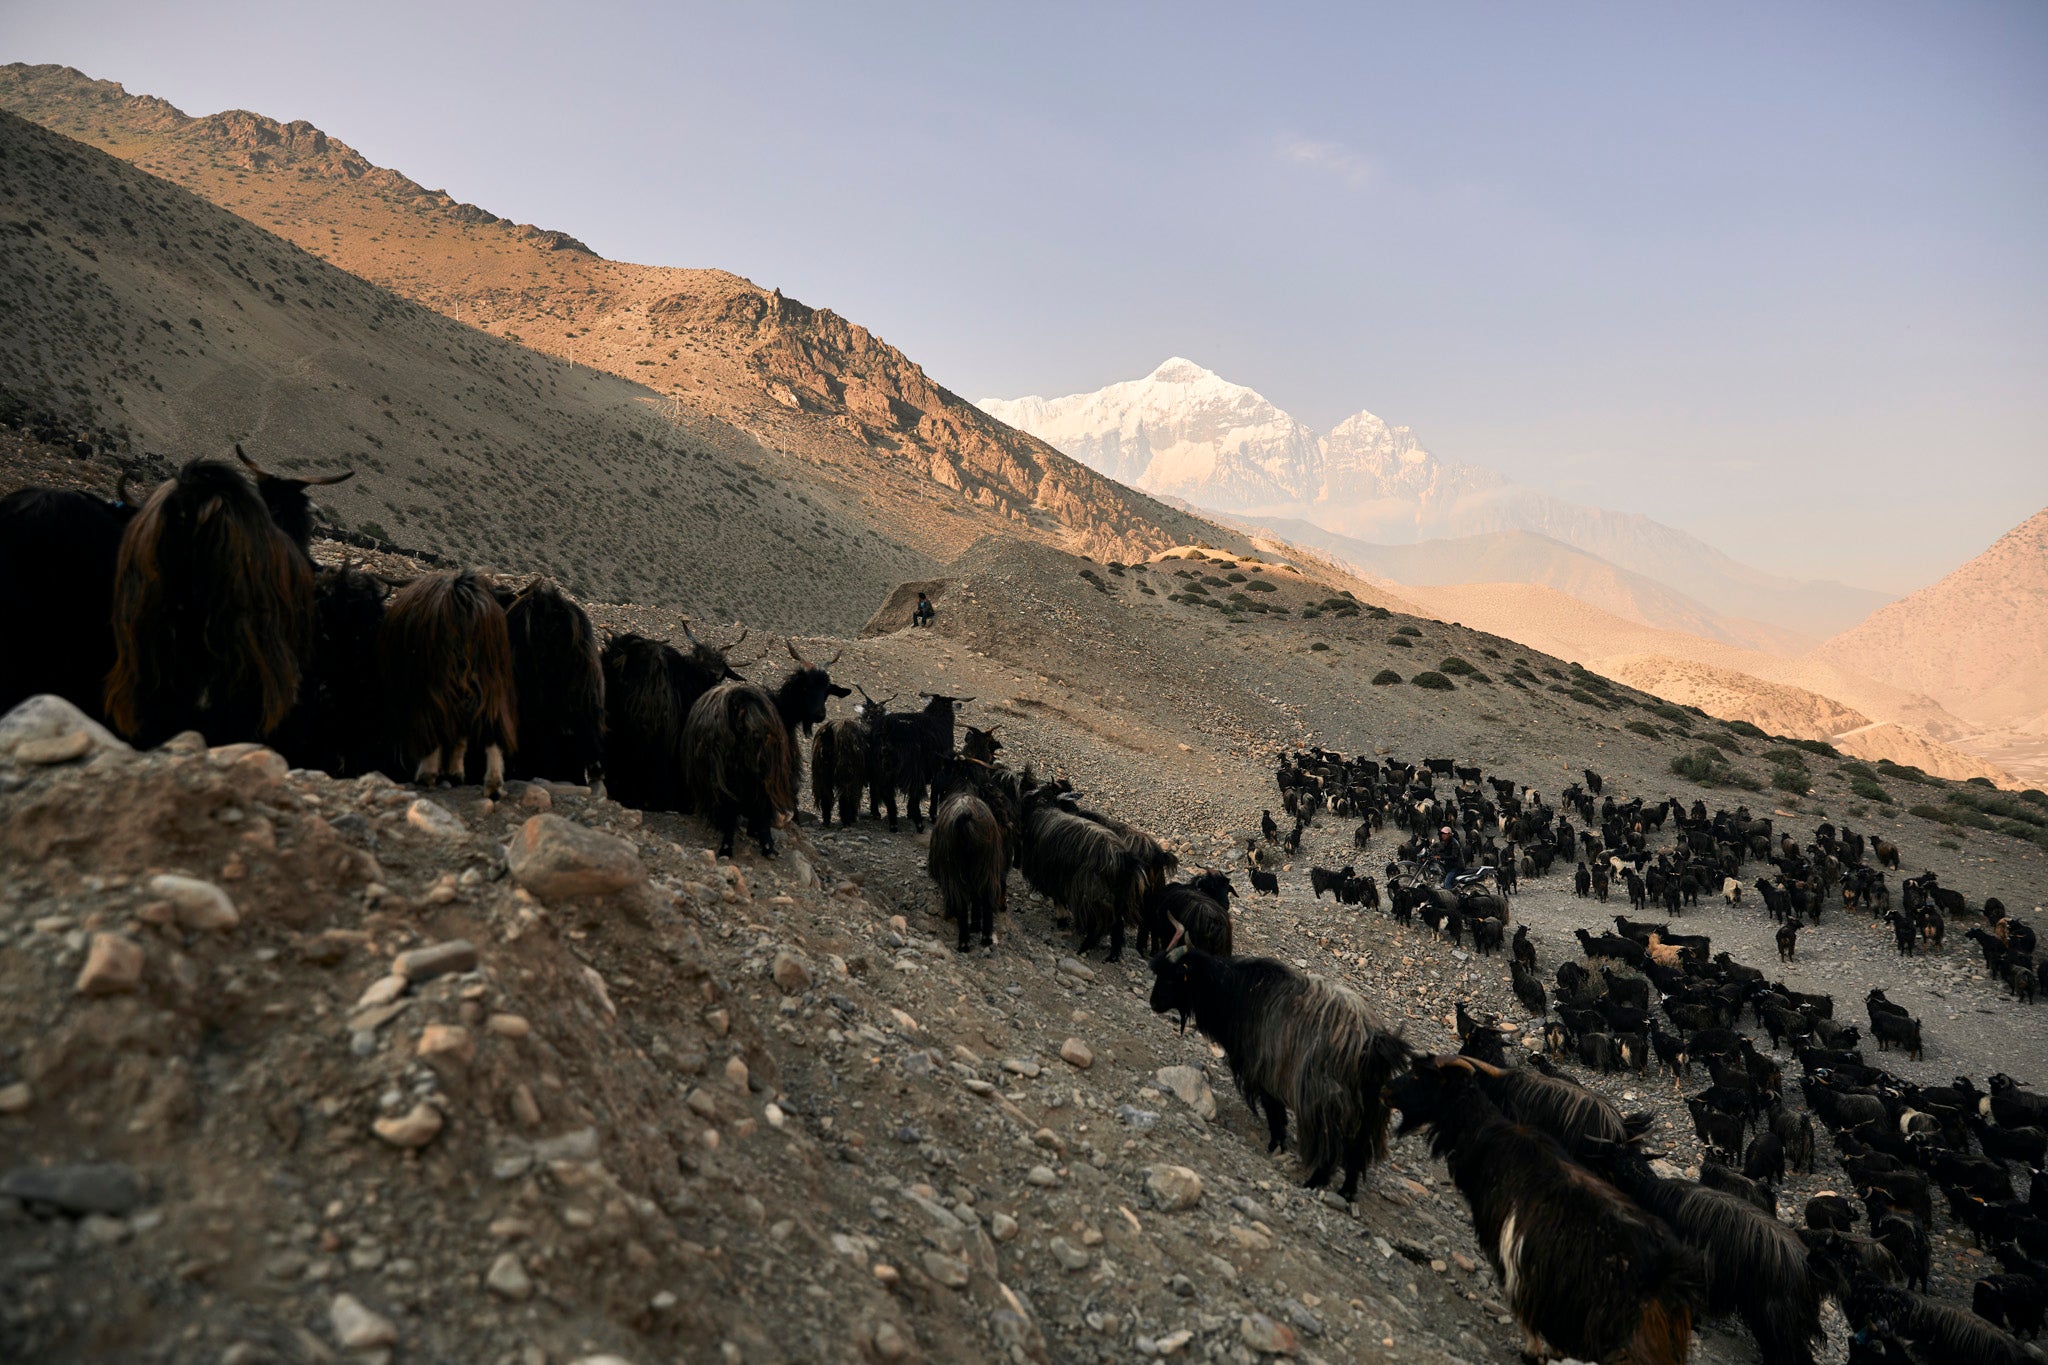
1188, 433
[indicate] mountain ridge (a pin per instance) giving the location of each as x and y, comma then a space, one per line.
1187, 432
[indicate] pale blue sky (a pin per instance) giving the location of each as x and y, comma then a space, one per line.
1771, 273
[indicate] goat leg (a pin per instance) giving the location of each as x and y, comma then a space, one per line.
494, 770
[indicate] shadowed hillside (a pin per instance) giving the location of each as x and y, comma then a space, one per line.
715, 353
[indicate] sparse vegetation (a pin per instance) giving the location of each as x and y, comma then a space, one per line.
1456, 667
1435, 682
1401, 642
1407, 630
1745, 729
1385, 677
1318, 647
1710, 768
1644, 728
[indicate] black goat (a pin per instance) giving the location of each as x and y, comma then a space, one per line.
910, 750
558, 683
1756, 1266
1081, 866
969, 856
446, 659
1295, 1043
286, 501
212, 613
738, 764
1585, 1271
839, 768
650, 687
58, 552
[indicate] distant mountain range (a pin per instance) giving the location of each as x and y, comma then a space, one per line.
1185, 432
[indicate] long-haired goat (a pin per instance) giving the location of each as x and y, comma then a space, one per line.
911, 749
649, 688
212, 613
801, 702
446, 658
1586, 1272
286, 501
738, 763
969, 857
1080, 866
839, 768
1934, 1330
1295, 1042
339, 724
1757, 1266
58, 552
1567, 1111
558, 680
1197, 911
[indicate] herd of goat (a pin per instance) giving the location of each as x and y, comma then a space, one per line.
201, 609
1603, 1255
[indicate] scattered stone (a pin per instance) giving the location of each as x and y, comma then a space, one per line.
433, 818
1041, 1176
508, 1025
1190, 1087
101, 1187
1074, 966
1020, 1066
947, 1270
524, 1107
382, 991
508, 1279
356, 1328
15, 1098
1268, 1337
773, 1113
1076, 1053
536, 798
1002, 1227
415, 1128
197, 904
790, 974
1173, 1342
579, 1144
1173, 1187
1141, 1119
1069, 1256
113, 964
452, 1041
890, 1343
557, 859
736, 1073
424, 964
44, 753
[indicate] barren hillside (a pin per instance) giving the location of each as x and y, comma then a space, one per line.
710, 350
1977, 641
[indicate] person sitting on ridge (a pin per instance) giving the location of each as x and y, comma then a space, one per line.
924, 612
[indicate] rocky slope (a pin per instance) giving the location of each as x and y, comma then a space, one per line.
716, 359
1976, 641
1186, 432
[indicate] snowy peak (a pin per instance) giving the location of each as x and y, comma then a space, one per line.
1186, 432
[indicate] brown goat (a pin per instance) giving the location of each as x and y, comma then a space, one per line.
446, 658
213, 612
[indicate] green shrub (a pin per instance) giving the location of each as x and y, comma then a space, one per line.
1318, 647
1785, 758
1261, 585
1435, 682
1934, 813
1456, 667
1816, 746
1980, 782
1745, 729
1707, 766
1868, 789
1585, 698
1793, 780
1645, 729
1401, 642
1234, 576
1903, 772
1385, 677
1720, 742
1407, 630
1310, 613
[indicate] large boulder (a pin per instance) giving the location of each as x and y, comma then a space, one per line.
557, 859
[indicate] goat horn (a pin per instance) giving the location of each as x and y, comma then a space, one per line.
1179, 932
121, 489
801, 661
343, 477
258, 470
834, 659
689, 634
744, 630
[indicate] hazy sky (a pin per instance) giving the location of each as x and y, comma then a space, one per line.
1774, 274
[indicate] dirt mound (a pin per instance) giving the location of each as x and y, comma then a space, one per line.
1728, 695
1897, 744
